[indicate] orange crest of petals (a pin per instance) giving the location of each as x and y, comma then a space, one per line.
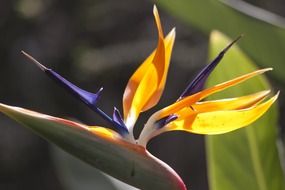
146, 85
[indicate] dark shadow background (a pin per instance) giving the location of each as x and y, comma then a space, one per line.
92, 43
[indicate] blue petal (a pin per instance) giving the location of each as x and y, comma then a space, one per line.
87, 97
199, 81
118, 120
90, 99
164, 121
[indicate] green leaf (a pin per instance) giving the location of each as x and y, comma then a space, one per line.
264, 31
130, 163
75, 174
246, 158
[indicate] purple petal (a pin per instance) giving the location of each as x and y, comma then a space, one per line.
87, 97
199, 81
118, 120
164, 121
90, 99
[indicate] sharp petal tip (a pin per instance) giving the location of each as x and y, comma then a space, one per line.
266, 92
239, 37
266, 69
277, 94
263, 94
173, 31
100, 90
274, 98
232, 43
42, 67
154, 9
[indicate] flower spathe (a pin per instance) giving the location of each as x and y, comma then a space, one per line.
143, 91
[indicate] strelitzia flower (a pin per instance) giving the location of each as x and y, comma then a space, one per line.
115, 150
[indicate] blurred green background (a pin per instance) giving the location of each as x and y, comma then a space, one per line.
100, 43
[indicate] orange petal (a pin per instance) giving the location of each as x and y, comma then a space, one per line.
145, 87
187, 115
104, 132
230, 103
190, 100
218, 122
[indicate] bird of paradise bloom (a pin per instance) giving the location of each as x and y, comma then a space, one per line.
116, 151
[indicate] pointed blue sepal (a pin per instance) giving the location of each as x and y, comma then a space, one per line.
88, 98
199, 81
164, 121
119, 122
